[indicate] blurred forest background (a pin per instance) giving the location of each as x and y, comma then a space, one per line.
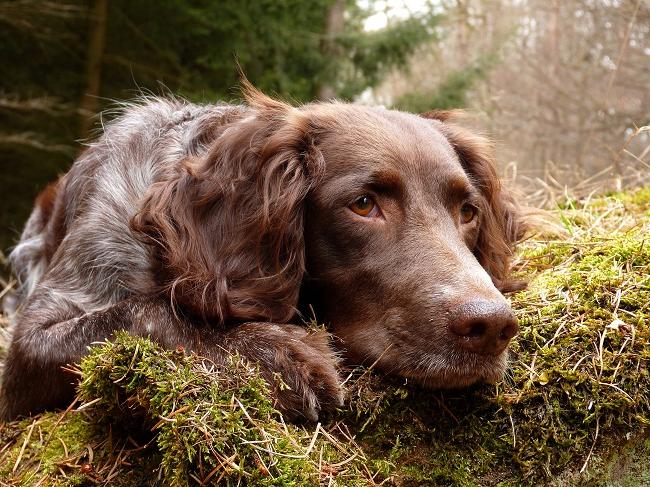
562, 85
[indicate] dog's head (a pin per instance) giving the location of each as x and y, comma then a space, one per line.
409, 236
394, 226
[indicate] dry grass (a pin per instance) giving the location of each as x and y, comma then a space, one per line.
630, 168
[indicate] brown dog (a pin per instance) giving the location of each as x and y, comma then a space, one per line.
208, 226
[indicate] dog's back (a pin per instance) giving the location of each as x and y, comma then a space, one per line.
98, 196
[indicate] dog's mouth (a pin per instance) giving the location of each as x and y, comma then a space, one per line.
463, 371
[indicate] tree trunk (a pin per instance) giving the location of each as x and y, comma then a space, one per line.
97, 37
334, 26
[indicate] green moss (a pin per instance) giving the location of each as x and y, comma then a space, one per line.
211, 423
63, 449
47, 448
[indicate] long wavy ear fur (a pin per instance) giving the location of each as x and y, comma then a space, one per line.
227, 229
501, 225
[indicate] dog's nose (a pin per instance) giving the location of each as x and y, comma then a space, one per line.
484, 326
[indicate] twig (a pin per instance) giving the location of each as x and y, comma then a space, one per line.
593, 445
22, 448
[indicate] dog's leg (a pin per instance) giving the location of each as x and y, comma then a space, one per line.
52, 332
303, 359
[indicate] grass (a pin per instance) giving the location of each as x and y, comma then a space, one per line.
574, 408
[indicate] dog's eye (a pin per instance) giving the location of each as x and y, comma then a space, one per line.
468, 213
364, 206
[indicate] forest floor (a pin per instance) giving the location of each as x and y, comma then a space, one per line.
573, 409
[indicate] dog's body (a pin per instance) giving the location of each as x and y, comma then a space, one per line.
200, 226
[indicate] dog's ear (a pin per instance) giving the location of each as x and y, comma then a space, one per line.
227, 228
501, 223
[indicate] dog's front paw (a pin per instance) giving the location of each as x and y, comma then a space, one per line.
311, 382
300, 366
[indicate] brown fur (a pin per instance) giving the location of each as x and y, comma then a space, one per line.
52, 214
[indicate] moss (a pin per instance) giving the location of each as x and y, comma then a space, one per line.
66, 449
582, 358
211, 423
572, 409
49, 448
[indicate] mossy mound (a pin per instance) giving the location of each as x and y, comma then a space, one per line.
574, 408
185, 420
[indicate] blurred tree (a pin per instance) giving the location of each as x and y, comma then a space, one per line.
451, 92
561, 84
41, 83
442, 74
90, 96
64, 61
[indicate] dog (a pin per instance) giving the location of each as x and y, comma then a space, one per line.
212, 226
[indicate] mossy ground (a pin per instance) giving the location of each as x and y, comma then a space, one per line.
574, 408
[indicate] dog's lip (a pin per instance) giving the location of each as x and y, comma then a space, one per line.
460, 373
484, 374
454, 381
